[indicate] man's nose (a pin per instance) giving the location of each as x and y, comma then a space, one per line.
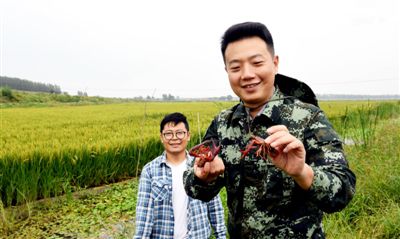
247, 72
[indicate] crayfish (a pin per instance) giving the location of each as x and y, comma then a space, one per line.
207, 150
263, 149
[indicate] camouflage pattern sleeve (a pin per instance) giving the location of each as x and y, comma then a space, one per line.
196, 188
212, 131
334, 183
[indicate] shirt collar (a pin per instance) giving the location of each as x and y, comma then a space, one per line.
163, 159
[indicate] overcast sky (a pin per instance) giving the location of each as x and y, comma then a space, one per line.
139, 48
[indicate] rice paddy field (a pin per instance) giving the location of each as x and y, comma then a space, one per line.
51, 151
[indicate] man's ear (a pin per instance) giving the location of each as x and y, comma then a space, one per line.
276, 63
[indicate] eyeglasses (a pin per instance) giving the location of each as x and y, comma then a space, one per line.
170, 135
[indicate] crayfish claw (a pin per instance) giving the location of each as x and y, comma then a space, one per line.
207, 150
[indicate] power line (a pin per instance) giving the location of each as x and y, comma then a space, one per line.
351, 82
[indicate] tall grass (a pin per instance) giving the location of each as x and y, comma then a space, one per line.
374, 212
358, 126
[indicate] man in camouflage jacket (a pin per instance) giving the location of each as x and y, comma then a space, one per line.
284, 194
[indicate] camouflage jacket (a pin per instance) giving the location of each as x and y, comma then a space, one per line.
263, 201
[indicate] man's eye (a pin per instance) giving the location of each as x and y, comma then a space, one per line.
235, 68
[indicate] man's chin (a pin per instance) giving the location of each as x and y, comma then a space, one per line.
252, 102
175, 150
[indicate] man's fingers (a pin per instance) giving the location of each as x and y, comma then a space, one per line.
274, 137
208, 171
276, 128
286, 143
296, 144
199, 162
281, 139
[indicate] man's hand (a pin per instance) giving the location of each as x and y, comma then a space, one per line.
208, 171
291, 155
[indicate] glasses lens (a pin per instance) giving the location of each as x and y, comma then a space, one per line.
180, 134
168, 135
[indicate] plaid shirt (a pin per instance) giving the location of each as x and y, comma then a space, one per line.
154, 211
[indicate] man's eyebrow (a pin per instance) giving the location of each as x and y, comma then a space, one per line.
233, 61
178, 130
255, 56
251, 57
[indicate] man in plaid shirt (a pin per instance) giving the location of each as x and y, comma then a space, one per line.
163, 208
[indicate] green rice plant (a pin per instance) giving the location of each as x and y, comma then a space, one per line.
45, 176
48, 151
25, 130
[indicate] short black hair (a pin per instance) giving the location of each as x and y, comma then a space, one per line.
246, 30
176, 118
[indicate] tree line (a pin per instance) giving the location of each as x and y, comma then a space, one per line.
26, 85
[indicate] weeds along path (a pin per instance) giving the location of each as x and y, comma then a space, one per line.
102, 212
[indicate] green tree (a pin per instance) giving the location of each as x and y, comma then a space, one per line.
7, 92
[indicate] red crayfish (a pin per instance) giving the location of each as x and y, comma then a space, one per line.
207, 150
263, 149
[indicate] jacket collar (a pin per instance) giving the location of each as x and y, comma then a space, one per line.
270, 108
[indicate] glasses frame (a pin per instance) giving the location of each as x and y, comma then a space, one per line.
174, 135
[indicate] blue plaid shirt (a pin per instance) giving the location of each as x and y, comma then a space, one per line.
154, 211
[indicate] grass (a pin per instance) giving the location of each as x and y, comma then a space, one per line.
375, 210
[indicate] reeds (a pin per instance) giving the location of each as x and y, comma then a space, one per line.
374, 211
